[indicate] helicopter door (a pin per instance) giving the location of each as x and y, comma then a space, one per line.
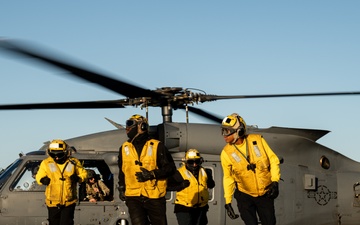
24, 200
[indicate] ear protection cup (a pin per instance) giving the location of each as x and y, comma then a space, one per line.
201, 160
143, 126
241, 131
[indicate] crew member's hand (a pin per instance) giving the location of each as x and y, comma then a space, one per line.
144, 175
272, 190
208, 172
230, 211
184, 184
92, 200
45, 180
122, 193
74, 178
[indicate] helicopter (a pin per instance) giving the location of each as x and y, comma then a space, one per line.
318, 185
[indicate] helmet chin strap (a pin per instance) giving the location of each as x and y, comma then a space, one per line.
236, 137
134, 137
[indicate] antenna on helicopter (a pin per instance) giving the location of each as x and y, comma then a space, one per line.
117, 125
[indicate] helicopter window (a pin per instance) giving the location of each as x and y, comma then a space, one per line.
104, 174
6, 174
211, 191
26, 179
325, 162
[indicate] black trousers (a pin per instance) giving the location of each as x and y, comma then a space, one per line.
61, 215
195, 216
249, 206
145, 211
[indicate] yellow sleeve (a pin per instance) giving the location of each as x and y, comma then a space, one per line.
41, 172
228, 180
81, 171
274, 162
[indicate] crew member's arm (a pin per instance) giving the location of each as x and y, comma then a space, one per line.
177, 182
121, 173
121, 177
80, 171
41, 173
105, 190
165, 163
210, 181
228, 180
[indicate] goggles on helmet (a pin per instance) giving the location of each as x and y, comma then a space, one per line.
192, 161
227, 131
131, 123
57, 154
135, 119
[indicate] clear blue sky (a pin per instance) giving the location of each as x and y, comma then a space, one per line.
222, 47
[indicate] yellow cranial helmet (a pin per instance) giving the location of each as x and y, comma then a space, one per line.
193, 159
192, 154
58, 150
139, 120
232, 124
57, 145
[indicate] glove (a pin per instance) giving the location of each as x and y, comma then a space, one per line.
208, 172
122, 193
272, 190
184, 184
45, 180
74, 178
230, 211
144, 175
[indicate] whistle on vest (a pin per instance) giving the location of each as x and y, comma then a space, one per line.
138, 163
251, 166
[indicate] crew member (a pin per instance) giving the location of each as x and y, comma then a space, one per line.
251, 173
60, 173
191, 181
144, 166
96, 189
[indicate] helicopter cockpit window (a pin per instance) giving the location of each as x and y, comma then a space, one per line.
6, 174
26, 179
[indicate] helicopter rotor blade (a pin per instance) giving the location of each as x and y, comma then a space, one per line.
66, 105
206, 98
176, 98
107, 82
